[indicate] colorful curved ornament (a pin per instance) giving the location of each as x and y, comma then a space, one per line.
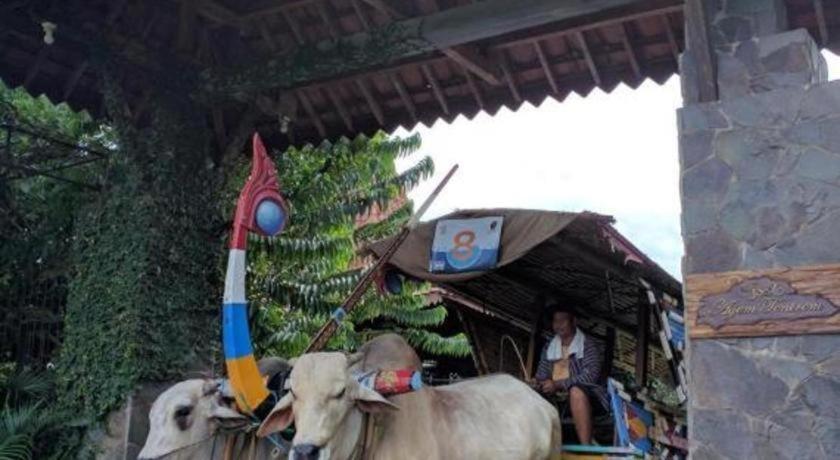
260, 209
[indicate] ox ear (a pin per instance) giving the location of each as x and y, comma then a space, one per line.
228, 418
372, 402
354, 358
280, 417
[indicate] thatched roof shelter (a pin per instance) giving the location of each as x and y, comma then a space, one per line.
578, 258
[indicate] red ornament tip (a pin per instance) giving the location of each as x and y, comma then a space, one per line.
257, 146
261, 185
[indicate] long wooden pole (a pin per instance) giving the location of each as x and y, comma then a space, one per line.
327, 330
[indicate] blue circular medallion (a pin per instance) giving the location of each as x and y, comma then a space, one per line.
393, 282
271, 218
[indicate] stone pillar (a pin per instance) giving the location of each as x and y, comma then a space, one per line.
760, 188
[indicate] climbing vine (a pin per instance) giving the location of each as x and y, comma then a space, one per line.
380, 46
142, 302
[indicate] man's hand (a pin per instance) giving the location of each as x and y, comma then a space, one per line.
547, 387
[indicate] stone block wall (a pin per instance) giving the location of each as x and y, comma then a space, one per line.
760, 186
761, 180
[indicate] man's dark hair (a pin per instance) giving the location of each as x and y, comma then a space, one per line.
555, 307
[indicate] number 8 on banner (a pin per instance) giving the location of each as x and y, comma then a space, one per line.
462, 245
463, 253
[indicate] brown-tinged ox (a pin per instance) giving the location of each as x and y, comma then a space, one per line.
494, 417
193, 419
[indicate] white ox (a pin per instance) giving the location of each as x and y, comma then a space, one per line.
193, 420
491, 417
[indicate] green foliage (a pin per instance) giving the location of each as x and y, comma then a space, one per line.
143, 302
37, 213
297, 279
664, 393
30, 424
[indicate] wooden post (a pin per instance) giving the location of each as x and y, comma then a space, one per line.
532, 340
699, 50
609, 352
642, 335
475, 347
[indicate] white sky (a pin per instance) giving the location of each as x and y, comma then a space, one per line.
613, 154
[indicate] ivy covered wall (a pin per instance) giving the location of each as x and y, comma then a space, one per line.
143, 302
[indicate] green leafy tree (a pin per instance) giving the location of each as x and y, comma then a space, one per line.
37, 218
298, 278
37, 212
30, 425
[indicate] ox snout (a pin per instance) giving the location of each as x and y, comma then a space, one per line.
305, 452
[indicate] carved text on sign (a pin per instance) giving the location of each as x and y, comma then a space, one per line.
761, 299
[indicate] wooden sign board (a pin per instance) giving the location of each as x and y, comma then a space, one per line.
782, 301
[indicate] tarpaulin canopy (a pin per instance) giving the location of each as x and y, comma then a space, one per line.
522, 230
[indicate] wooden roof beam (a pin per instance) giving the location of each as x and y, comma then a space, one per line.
147, 29
473, 88
631, 54
445, 29
36, 65
74, 80
275, 7
587, 56
293, 26
186, 25
678, 7
436, 89
404, 95
464, 55
141, 106
239, 135
310, 112
262, 27
333, 28
672, 40
549, 75
510, 77
219, 127
821, 24
469, 58
372, 103
385, 9
360, 13
116, 10
339, 105
216, 12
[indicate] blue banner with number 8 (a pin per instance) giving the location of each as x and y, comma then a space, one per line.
464, 245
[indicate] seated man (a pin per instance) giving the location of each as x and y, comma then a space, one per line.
571, 362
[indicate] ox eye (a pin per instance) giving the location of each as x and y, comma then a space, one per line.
182, 415
340, 393
183, 412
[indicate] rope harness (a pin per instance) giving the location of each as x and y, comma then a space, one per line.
230, 444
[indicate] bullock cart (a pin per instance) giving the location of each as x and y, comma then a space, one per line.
494, 270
